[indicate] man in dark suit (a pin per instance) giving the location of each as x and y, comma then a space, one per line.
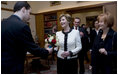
16, 40
85, 43
94, 33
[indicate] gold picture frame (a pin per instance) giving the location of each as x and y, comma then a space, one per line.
4, 2
54, 3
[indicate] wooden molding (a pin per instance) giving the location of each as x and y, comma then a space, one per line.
11, 10
68, 9
4, 2
7, 9
78, 8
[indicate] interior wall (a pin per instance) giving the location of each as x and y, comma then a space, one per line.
33, 26
6, 14
9, 5
112, 8
83, 15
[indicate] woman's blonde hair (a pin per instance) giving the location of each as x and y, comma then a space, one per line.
108, 19
67, 16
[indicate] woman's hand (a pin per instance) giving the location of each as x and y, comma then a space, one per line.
103, 51
81, 34
65, 54
90, 67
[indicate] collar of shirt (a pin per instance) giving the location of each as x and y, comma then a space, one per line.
75, 28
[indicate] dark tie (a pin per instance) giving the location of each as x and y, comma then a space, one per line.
76, 28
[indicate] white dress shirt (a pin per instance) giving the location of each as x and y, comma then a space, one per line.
73, 43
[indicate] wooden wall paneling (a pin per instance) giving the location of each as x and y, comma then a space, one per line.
40, 29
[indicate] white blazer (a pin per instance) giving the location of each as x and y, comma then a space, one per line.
73, 43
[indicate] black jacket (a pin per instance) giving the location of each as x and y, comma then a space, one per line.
92, 37
110, 44
16, 40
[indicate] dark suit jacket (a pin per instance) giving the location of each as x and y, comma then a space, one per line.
16, 40
92, 38
110, 44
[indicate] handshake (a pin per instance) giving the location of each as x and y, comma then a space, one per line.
50, 49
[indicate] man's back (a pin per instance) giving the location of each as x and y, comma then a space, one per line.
16, 41
12, 50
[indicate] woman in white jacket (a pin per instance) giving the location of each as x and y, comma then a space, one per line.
69, 46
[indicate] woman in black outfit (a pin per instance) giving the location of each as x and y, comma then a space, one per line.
104, 51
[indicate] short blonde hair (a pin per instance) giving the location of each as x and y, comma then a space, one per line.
67, 16
108, 19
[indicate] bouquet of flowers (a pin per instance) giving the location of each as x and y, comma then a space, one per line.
52, 40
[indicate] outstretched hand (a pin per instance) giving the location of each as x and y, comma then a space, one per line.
50, 50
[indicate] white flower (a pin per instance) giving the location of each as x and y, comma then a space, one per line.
51, 38
57, 42
55, 48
